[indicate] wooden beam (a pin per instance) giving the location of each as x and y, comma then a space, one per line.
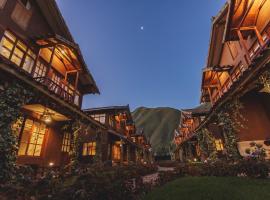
77, 80
35, 63
210, 96
246, 13
259, 36
211, 86
243, 43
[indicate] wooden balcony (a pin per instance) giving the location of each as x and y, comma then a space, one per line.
62, 90
252, 53
24, 57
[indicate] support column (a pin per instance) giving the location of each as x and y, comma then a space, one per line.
121, 152
144, 156
128, 153
137, 156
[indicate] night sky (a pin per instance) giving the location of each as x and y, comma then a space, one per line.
143, 52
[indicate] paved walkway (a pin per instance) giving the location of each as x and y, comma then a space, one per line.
152, 178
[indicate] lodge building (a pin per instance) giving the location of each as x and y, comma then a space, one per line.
121, 145
43, 69
235, 81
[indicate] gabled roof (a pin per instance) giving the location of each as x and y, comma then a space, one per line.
216, 45
111, 109
199, 110
57, 23
55, 19
217, 37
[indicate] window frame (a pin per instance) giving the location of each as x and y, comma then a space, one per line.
219, 145
116, 152
19, 44
28, 135
66, 143
89, 148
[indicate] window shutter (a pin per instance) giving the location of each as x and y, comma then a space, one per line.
21, 15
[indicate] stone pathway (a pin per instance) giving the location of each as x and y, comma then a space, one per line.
165, 169
152, 178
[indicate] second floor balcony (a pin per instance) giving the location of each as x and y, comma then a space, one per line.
50, 62
219, 79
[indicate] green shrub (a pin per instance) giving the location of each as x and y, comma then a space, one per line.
253, 168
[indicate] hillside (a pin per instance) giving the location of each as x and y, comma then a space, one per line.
158, 124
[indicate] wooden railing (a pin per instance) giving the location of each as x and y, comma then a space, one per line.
62, 90
237, 72
23, 56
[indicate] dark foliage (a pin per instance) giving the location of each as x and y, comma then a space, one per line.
87, 182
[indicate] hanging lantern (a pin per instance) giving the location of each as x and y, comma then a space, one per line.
46, 117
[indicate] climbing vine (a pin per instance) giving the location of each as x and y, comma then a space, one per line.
97, 158
76, 127
231, 120
207, 143
264, 79
11, 100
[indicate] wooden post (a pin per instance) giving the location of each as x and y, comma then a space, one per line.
259, 36
51, 59
128, 153
35, 63
121, 152
210, 95
243, 44
77, 80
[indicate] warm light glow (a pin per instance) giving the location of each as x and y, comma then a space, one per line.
46, 117
51, 164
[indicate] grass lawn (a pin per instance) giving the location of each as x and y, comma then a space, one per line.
209, 188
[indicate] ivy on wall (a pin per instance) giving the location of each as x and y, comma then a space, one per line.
264, 79
206, 143
231, 120
76, 127
98, 156
12, 98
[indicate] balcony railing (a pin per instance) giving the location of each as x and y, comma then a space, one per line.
238, 71
62, 90
17, 52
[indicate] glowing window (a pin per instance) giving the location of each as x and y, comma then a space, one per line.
7, 44
15, 50
18, 54
40, 70
29, 61
66, 145
219, 145
89, 149
116, 152
32, 138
